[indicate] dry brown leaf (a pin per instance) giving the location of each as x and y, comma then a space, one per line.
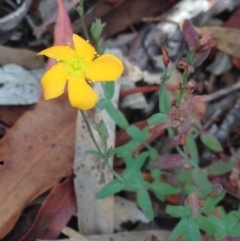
24, 57
228, 39
38, 152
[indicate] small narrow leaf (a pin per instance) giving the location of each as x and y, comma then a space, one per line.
192, 148
95, 153
137, 134
164, 100
108, 88
102, 131
111, 188
211, 142
157, 119
145, 203
220, 168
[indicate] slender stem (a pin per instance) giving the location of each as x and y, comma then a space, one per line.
84, 27
104, 155
90, 130
183, 86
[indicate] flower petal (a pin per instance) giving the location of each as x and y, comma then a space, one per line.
81, 94
58, 52
83, 49
54, 81
105, 68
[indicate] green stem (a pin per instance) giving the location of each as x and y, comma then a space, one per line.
104, 155
183, 86
84, 27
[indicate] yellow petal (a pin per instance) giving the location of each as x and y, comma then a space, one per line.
105, 68
54, 81
81, 94
58, 52
83, 49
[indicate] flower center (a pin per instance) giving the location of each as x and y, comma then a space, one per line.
75, 66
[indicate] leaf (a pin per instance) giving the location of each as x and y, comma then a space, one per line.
190, 35
135, 166
205, 224
40, 161
111, 188
108, 88
219, 226
137, 134
193, 232
228, 39
54, 214
102, 131
163, 189
179, 229
143, 200
95, 153
97, 28
211, 142
157, 119
168, 161
220, 168
176, 211
192, 148
115, 114
200, 178
127, 148
164, 100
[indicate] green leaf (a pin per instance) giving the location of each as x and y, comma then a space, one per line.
97, 28
115, 114
145, 203
102, 131
155, 173
193, 232
95, 153
210, 204
111, 188
176, 211
205, 225
163, 189
157, 119
102, 103
231, 220
179, 229
134, 183
135, 166
110, 152
211, 142
220, 227
200, 178
164, 100
192, 148
220, 168
108, 89
153, 154
131, 146
137, 134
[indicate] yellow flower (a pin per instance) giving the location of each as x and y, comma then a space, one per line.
79, 67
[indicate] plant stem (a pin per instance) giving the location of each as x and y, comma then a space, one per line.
104, 155
183, 86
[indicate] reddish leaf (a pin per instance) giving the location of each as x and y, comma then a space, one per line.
63, 30
54, 214
38, 151
192, 201
167, 161
190, 35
